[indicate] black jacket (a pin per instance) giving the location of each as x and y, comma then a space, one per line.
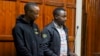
51, 40
26, 38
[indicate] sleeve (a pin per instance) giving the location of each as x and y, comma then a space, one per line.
46, 37
19, 42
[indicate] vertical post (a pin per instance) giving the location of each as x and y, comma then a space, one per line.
79, 25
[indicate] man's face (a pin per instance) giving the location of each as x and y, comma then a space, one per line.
33, 13
61, 17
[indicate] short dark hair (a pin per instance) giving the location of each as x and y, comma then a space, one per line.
28, 6
56, 11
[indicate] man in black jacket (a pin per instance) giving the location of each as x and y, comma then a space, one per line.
55, 35
26, 33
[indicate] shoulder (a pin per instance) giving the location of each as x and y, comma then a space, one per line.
48, 27
18, 26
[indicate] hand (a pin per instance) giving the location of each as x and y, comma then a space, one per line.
63, 54
73, 54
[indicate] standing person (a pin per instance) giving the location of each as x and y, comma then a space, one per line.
26, 33
55, 35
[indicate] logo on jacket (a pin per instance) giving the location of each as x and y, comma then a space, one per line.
44, 35
36, 32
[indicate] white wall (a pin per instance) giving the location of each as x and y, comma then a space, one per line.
79, 24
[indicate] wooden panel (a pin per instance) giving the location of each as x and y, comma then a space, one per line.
71, 1
54, 3
90, 27
71, 43
7, 49
48, 16
1, 19
7, 17
96, 49
8, 0
71, 21
6, 38
37, 1
91, 32
71, 4
7, 21
59, 1
91, 10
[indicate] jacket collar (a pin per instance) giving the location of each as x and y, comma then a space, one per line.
53, 26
